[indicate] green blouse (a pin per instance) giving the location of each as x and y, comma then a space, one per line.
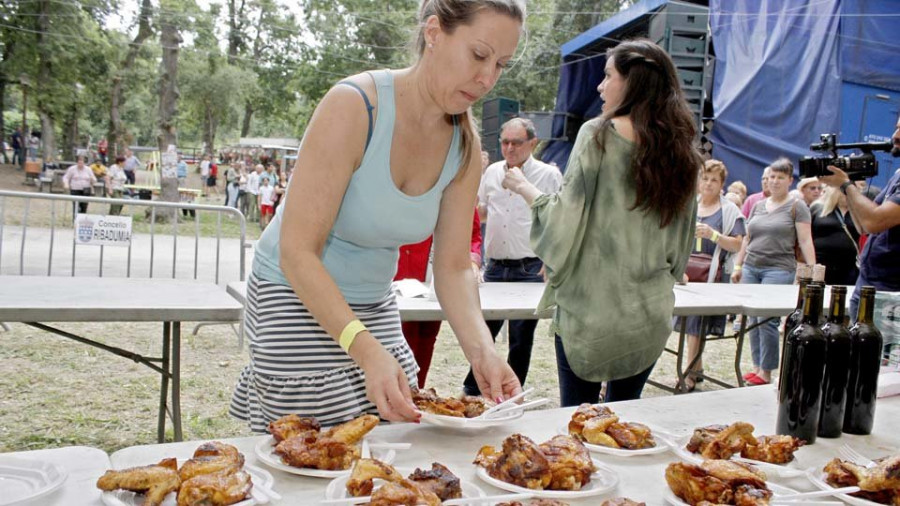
610, 268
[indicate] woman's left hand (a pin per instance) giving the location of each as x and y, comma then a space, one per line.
495, 377
514, 179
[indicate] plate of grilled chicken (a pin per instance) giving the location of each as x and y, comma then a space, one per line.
880, 483
465, 412
299, 445
385, 484
560, 468
601, 431
216, 474
717, 481
772, 454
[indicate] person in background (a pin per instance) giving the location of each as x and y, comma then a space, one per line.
509, 256
204, 175
115, 188
835, 238
266, 203
734, 198
212, 179
79, 180
280, 189
751, 201
767, 257
243, 200
18, 146
720, 227
878, 263
810, 190
102, 150
181, 171
132, 163
34, 143
618, 235
739, 189
414, 262
253, 193
388, 158
231, 187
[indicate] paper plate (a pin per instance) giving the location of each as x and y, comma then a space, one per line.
789, 470
817, 477
265, 452
673, 499
126, 498
458, 422
337, 488
602, 481
24, 479
661, 447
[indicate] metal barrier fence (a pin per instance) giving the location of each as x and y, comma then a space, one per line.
42, 257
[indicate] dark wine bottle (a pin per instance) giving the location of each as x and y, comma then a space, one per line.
866, 346
837, 366
821, 284
800, 391
804, 277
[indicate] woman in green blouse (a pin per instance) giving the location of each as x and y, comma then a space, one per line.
618, 235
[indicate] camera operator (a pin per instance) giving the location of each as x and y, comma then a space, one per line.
878, 263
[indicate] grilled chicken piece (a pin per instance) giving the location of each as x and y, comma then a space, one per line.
475, 405
537, 502
353, 431
875, 482
394, 494
773, 449
155, 481
290, 426
438, 480
365, 471
209, 458
718, 482
520, 463
587, 412
630, 435
228, 486
721, 442
323, 453
570, 463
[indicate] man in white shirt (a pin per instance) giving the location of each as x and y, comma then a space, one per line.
253, 192
204, 174
507, 248
132, 163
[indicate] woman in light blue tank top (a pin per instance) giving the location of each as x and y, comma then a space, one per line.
389, 158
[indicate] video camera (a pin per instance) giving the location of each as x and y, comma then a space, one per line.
857, 167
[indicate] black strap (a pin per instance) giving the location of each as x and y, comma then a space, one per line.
369, 108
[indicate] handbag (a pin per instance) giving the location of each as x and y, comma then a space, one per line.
698, 268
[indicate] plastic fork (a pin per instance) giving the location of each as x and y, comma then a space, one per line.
854, 456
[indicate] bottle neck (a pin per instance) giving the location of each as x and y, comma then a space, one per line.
801, 294
836, 311
866, 308
812, 308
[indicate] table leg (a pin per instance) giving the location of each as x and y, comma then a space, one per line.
176, 379
739, 351
679, 358
164, 385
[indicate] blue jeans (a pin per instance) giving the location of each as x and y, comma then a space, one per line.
521, 332
574, 391
764, 338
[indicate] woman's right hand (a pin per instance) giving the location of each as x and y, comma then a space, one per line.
388, 387
736, 277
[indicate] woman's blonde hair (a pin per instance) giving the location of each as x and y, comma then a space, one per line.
715, 167
829, 200
451, 14
741, 187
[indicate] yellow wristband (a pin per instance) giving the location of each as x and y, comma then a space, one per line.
715, 236
738, 267
349, 334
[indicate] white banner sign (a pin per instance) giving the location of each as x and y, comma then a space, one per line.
98, 230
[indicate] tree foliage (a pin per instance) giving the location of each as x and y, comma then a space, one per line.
246, 67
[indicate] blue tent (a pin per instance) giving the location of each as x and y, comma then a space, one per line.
785, 72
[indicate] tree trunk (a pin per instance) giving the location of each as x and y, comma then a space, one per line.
3, 108
116, 131
44, 75
170, 40
209, 132
248, 115
48, 136
69, 141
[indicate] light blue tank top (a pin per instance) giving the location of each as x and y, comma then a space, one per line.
375, 217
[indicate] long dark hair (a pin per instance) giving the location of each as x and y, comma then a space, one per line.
665, 163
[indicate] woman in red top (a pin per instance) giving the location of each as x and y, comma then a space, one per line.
413, 263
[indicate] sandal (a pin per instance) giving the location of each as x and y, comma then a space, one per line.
749, 375
696, 375
756, 381
688, 386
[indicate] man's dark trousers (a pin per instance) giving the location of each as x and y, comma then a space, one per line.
521, 332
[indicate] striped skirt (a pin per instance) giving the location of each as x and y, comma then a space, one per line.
296, 367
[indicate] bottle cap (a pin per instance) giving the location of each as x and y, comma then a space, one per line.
867, 290
839, 289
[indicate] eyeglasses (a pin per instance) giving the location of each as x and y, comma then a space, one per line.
513, 142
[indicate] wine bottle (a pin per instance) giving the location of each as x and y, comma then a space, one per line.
821, 284
837, 366
866, 346
804, 277
800, 391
